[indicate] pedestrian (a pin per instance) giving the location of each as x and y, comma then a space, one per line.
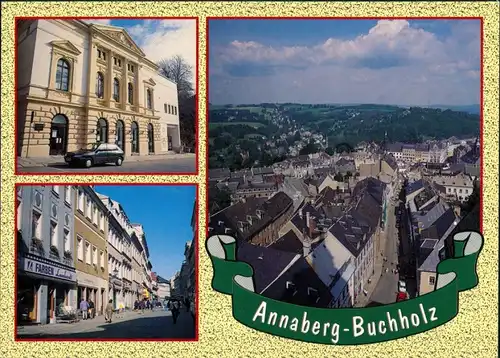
109, 311
84, 307
91, 309
187, 303
153, 305
175, 310
143, 305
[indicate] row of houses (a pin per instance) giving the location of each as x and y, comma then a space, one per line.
321, 254
74, 243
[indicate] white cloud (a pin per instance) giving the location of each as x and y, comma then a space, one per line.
395, 62
98, 21
164, 39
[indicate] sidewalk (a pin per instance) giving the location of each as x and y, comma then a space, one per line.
59, 159
81, 325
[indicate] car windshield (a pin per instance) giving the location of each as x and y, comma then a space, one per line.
92, 146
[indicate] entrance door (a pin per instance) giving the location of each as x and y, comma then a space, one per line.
135, 137
169, 142
102, 130
151, 142
58, 135
120, 134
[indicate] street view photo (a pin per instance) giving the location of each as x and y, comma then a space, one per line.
106, 262
344, 154
106, 96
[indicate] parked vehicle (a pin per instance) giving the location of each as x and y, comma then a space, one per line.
99, 153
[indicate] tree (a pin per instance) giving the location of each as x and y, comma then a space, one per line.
218, 199
178, 70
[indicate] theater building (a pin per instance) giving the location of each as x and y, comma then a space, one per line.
79, 83
91, 227
46, 276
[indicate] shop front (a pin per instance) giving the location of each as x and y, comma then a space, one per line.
115, 292
44, 289
92, 288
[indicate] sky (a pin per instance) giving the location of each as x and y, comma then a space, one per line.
160, 39
399, 62
165, 213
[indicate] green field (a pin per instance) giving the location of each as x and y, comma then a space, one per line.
251, 124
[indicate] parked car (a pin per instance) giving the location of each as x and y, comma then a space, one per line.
99, 153
402, 286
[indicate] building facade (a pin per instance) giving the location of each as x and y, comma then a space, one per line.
91, 227
119, 245
144, 263
163, 288
80, 83
46, 275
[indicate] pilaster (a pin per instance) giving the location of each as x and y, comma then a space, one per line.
109, 80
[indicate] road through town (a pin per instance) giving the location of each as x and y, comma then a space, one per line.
149, 325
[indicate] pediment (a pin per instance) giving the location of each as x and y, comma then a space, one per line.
150, 82
66, 46
120, 36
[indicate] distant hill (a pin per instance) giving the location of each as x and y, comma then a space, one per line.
471, 108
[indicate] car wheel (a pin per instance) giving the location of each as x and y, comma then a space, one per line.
88, 163
119, 161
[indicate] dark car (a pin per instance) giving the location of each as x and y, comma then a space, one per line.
99, 153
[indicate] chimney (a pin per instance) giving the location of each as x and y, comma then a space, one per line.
308, 219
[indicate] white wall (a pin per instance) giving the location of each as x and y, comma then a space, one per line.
48, 31
26, 37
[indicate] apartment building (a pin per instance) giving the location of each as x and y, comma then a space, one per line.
91, 227
46, 275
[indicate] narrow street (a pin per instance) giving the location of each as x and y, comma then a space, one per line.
152, 324
387, 286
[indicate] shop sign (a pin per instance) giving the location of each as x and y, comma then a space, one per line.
46, 269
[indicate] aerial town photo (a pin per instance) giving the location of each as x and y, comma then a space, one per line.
105, 95
93, 264
344, 154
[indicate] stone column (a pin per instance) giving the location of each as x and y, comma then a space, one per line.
109, 80
139, 88
92, 72
124, 84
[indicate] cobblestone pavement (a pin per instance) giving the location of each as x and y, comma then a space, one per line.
150, 324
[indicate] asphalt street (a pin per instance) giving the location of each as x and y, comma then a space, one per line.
173, 165
157, 324
387, 286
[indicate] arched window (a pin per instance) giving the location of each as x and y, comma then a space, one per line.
149, 99
99, 90
130, 93
116, 89
62, 75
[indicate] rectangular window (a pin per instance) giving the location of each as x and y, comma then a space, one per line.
169, 109
80, 200
79, 248
432, 280
104, 56
88, 212
165, 107
101, 222
67, 246
102, 259
67, 194
53, 233
36, 225
175, 110
88, 258
94, 255
99, 53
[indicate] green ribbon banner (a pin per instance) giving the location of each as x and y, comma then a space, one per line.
345, 326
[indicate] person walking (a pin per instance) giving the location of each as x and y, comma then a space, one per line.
109, 311
175, 310
91, 309
84, 307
